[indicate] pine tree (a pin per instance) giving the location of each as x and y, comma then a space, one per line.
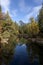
0, 12
8, 19
2, 16
0, 9
2, 19
40, 19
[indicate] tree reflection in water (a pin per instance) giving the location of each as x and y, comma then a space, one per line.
33, 52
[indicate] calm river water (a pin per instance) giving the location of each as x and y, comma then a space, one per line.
21, 56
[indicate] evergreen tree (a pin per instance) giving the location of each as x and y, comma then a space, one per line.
40, 19
8, 18
0, 12
0, 9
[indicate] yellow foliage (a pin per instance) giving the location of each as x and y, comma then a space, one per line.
34, 28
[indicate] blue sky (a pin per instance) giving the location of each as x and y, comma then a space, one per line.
21, 9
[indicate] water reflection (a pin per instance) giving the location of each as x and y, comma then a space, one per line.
21, 56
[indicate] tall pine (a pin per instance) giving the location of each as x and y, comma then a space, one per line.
40, 19
0, 9
0, 12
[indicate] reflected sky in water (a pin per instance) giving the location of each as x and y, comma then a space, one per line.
21, 56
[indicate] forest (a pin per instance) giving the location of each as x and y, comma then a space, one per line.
11, 33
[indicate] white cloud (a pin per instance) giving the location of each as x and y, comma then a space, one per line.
13, 13
5, 5
33, 13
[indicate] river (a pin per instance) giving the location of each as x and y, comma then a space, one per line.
21, 56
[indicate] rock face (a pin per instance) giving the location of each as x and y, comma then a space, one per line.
39, 41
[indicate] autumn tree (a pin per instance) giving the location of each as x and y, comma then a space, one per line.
33, 28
